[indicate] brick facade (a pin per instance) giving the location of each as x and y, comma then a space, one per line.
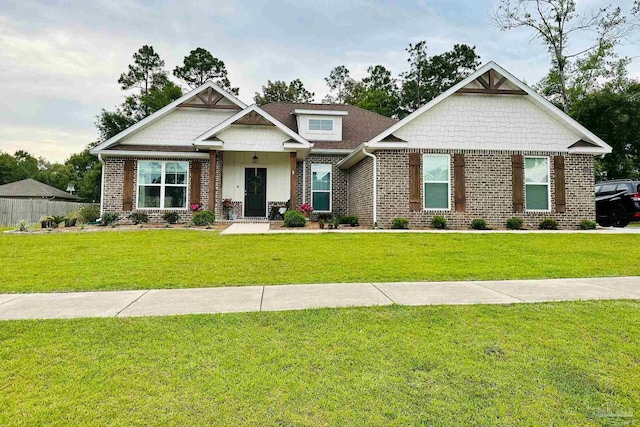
339, 182
361, 191
488, 190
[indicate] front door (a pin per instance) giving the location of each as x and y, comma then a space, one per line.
255, 192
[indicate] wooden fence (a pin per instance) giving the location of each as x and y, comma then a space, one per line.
12, 211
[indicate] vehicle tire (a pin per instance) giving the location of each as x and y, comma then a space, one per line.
618, 216
603, 222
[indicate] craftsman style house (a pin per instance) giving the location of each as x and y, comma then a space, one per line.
489, 147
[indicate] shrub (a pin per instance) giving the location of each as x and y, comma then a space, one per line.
109, 218
71, 219
325, 216
22, 226
335, 223
139, 217
351, 220
46, 222
57, 220
294, 219
400, 223
587, 224
548, 224
514, 223
171, 217
479, 224
88, 214
439, 221
203, 218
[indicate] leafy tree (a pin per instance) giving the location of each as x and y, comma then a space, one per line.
554, 22
280, 91
338, 81
613, 114
111, 123
146, 73
430, 76
377, 92
201, 66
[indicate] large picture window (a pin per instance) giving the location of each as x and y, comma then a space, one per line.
321, 188
162, 185
536, 178
436, 178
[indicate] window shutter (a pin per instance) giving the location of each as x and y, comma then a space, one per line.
558, 176
127, 185
459, 182
196, 168
517, 166
414, 182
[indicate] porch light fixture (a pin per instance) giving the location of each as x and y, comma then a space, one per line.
254, 159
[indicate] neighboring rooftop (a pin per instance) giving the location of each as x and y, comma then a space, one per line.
358, 126
31, 189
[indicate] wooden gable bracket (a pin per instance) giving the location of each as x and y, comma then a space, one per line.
210, 99
253, 119
492, 87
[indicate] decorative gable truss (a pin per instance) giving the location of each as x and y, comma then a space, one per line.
210, 99
491, 83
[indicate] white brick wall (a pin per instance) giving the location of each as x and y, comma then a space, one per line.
179, 127
485, 122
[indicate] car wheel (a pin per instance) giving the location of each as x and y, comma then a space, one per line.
618, 216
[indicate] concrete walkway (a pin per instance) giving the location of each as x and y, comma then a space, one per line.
162, 302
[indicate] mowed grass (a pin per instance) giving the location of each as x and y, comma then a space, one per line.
188, 258
540, 364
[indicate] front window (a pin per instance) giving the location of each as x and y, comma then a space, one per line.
321, 188
162, 185
536, 178
321, 124
436, 173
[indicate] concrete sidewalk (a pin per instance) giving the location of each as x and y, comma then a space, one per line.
162, 302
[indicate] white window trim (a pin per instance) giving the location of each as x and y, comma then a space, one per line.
162, 186
448, 182
330, 190
333, 125
548, 184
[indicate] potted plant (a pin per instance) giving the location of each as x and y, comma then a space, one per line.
226, 203
321, 223
196, 207
306, 209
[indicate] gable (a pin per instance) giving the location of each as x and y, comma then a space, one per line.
252, 138
477, 122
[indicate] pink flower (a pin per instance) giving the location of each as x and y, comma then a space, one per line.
305, 207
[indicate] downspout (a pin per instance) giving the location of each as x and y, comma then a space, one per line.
375, 185
101, 185
304, 181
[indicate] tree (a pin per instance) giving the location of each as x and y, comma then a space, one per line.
430, 76
377, 92
146, 73
337, 81
111, 123
279, 91
200, 66
613, 114
554, 22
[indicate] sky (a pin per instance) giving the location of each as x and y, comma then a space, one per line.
60, 60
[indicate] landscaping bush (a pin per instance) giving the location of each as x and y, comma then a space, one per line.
548, 224
294, 219
587, 224
171, 217
47, 222
439, 221
479, 224
351, 220
108, 219
57, 220
400, 223
203, 218
88, 214
139, 217
325, 216
514, 223
71, 219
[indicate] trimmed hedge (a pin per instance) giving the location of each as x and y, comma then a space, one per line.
294, 219
400, 223
203, 218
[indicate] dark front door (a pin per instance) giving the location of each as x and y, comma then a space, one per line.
255, 192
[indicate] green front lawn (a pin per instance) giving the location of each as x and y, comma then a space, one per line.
188, 258
535, 364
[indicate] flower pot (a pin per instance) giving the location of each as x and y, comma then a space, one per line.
306, 214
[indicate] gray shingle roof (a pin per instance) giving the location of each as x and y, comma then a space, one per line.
32, 188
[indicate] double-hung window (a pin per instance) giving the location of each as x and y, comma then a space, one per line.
437, 182
536, 179
321, 124
321, 188
162, 184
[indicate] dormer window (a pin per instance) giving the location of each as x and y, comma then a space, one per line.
321, 124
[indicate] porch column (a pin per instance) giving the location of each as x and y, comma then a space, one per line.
293, 186
212, 180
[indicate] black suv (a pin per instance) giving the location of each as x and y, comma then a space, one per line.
617, 202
